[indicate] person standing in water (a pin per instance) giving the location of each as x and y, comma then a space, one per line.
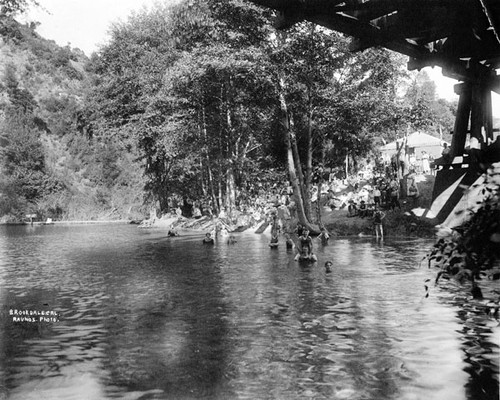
274, 240
305, 247
289, 241
324, 236
274, 234
378, 216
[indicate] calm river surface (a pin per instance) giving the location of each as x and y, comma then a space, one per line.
143, 316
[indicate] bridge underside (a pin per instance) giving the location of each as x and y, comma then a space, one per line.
460, 36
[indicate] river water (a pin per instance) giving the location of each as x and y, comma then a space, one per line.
143, 316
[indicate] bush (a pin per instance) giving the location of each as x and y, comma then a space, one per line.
473, 250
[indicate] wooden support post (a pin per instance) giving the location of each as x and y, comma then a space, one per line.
462, 119
476, 117
487, 114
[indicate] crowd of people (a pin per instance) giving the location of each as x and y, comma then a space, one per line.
382, 194
250, 209
369, 194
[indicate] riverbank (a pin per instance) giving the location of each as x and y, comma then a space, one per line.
398, 222
106, 222
395, 223
337, 222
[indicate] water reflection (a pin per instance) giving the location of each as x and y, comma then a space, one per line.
146, 316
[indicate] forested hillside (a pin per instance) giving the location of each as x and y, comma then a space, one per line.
51, 164
203, 101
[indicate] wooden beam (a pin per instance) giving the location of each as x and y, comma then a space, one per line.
461, 120
487, 111
490, 14
495, 84
476, 115
404, 32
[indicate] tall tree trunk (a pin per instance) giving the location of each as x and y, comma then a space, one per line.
289, 138
202, 178
347, 166
298, 164
309, 154
220, 195
210, 177
320, 184
230, 188
231, 149
221, 167
309, 137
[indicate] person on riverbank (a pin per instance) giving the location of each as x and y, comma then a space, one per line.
446, 153
394, 188
362, 211
208, 239
172, 232
378, 216
413, 193
426, 169
196, 212
305, 247
352, 209
376, 195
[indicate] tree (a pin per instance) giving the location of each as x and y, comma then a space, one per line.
204, 83
11, 7
21, 100
23, 163
325, 93
193, 120
122, 103
424, 111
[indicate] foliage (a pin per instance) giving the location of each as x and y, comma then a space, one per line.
424, 111
11, 7
25, 179
473, 251
21, 99
51, 165
195, 87
185, 100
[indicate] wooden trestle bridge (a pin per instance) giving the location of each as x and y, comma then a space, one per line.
460, 36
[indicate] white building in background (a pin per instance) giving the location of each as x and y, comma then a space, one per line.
414, 144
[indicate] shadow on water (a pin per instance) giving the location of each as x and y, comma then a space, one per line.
143, 316
166, 329
479, 335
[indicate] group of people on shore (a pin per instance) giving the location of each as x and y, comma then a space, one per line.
253, 206
384, 193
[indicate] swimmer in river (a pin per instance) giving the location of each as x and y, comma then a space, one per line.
172, 232
274, 240
324, 236
289, 241
208, 239
328, 267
